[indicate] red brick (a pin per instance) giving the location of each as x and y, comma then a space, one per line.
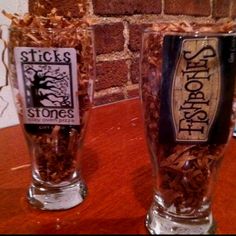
108, 98
111, 74
133, 92
134, 71
233, 9
126, 7
221, 8
188, 7
109, 38
135, 36
63, 6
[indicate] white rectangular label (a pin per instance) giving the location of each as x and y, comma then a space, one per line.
47, 79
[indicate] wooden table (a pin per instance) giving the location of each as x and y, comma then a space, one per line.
117, 169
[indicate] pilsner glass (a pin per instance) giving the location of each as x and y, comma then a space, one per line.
51, 71
187, 90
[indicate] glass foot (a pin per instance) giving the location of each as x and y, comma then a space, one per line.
57, 198
161, 224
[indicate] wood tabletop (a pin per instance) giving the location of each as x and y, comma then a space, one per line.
116, 166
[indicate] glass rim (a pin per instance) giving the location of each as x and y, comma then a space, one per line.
10, 28
195, 33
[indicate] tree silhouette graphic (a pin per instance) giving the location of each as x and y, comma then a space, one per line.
47, 86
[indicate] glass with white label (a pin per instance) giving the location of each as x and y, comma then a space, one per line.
51, 71
187, 81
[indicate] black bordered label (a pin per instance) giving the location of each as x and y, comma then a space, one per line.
197, 89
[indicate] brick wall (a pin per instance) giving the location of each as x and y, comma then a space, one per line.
118, 27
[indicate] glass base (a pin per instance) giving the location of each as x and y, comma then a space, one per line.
57, 198
158, 223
